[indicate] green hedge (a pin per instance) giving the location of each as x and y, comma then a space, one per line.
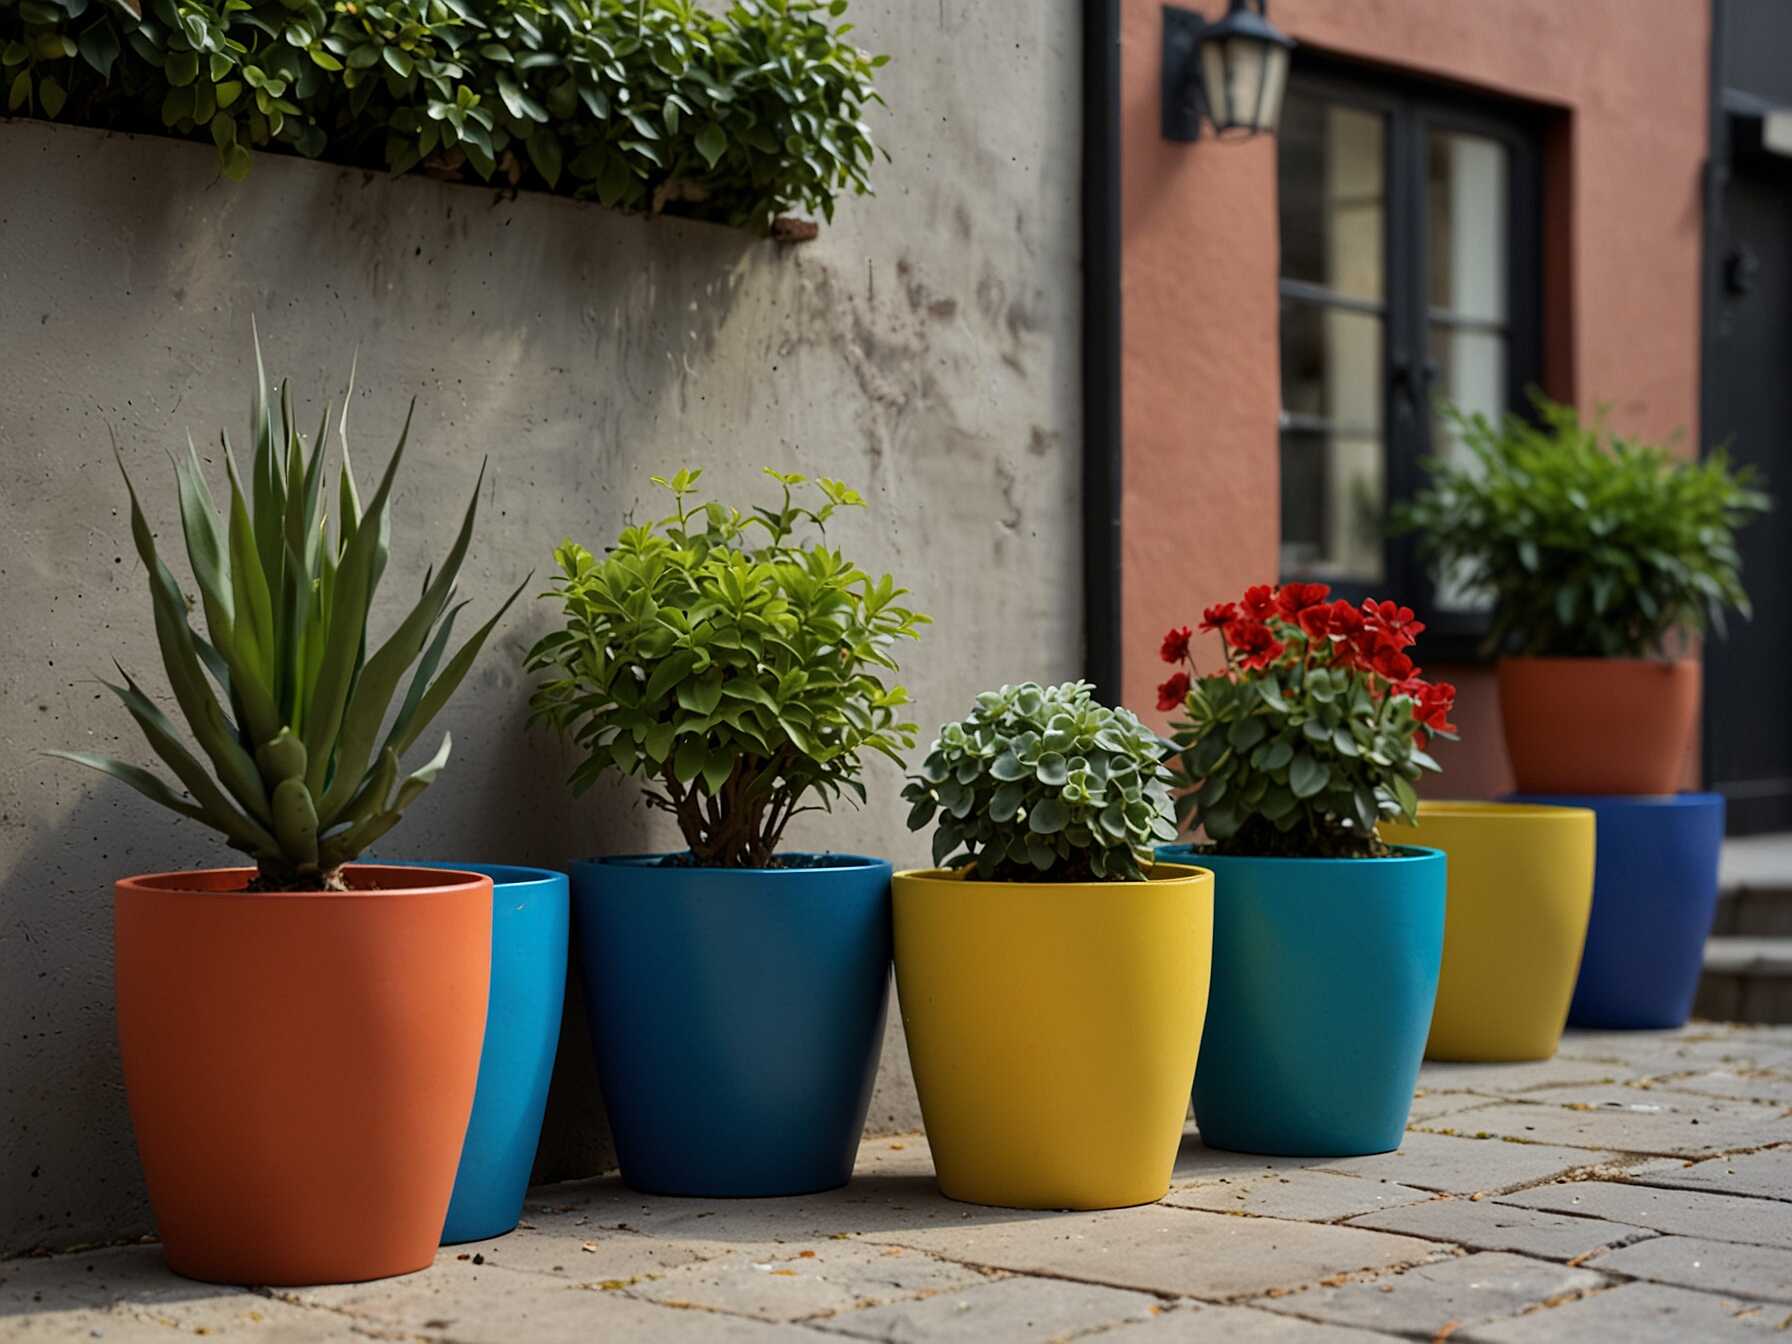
642, 104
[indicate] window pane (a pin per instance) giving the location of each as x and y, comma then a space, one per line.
1331, 366
1331, 188
1332, 492
1471, 374
1466, 211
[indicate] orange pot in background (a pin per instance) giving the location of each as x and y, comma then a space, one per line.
1598, 725
300, 1066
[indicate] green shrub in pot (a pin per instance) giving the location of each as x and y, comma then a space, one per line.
1598, 552
738, 665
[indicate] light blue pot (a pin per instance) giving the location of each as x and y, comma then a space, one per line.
522, 1032
1324, 978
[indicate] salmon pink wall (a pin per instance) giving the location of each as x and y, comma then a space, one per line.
1621, 278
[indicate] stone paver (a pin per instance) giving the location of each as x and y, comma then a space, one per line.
1310, 1196
1009, 1309
1191, 1323
1619, 1192
1465, 1165
830, 1276
1509, 1079
1689, 1213
1484, 1225
1180, 1252
1637, 1313
1766, 1175
1756, 1085
1633, 1120
1451, 1295
1763, 1272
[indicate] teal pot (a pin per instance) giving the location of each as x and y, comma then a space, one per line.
1324, 977
522, 1033
737, 1015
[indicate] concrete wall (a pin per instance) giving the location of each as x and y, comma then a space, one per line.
924, 349
1627, 80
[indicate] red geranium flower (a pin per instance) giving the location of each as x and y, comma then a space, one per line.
1393, 664
1175, 648
1316, 622
1393, 619
1173, 692
1343, 618
1259, 602
1220, 616
1257, 642
1294, 598
1434, 705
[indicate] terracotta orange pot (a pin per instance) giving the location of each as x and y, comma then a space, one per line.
300, 1066
1598, 725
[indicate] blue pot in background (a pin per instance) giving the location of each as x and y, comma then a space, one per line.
1324, 977
1654, 897
522, 1032
737, 1016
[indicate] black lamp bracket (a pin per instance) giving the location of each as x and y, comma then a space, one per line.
1181, 97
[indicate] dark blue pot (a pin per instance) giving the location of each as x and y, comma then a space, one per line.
1324, 977
522, 1032
1654, 896
737, 1015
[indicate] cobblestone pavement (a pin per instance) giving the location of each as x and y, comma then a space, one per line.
1636, 1187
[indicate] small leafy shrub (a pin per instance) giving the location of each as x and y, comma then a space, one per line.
1311, 731
1044, 784
1589, 544
297, 774
736, 669
641, 104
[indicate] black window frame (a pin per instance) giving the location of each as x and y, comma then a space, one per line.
1411, 109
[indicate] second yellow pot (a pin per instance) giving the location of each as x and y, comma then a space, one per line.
1520, 892
1053, 1030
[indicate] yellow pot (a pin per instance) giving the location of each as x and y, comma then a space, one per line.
1053, 1029
1521, 889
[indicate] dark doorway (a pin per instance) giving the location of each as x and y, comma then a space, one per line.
1747, 401
1748, 698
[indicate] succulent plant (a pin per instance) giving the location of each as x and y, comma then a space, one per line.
296, 771
1042, 783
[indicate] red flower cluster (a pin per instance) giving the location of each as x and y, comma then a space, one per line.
1295, 623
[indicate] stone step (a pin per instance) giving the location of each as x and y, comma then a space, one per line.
1746, 980
1755, 888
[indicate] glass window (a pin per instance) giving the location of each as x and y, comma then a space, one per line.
1333, 203
1408, 274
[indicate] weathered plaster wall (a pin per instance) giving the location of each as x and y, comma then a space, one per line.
925, 349
1622, 281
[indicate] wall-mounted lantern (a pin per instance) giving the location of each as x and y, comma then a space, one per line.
1234, 70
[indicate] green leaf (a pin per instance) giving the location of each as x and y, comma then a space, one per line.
711, 143
544, 153
1306, 776
51, 95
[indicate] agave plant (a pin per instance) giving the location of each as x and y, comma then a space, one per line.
300, 775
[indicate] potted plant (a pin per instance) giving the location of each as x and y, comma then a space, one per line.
1600, 554
1326, 943
736, 992
1052, 975
299, 1038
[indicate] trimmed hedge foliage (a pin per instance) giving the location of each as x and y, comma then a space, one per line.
642, 104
